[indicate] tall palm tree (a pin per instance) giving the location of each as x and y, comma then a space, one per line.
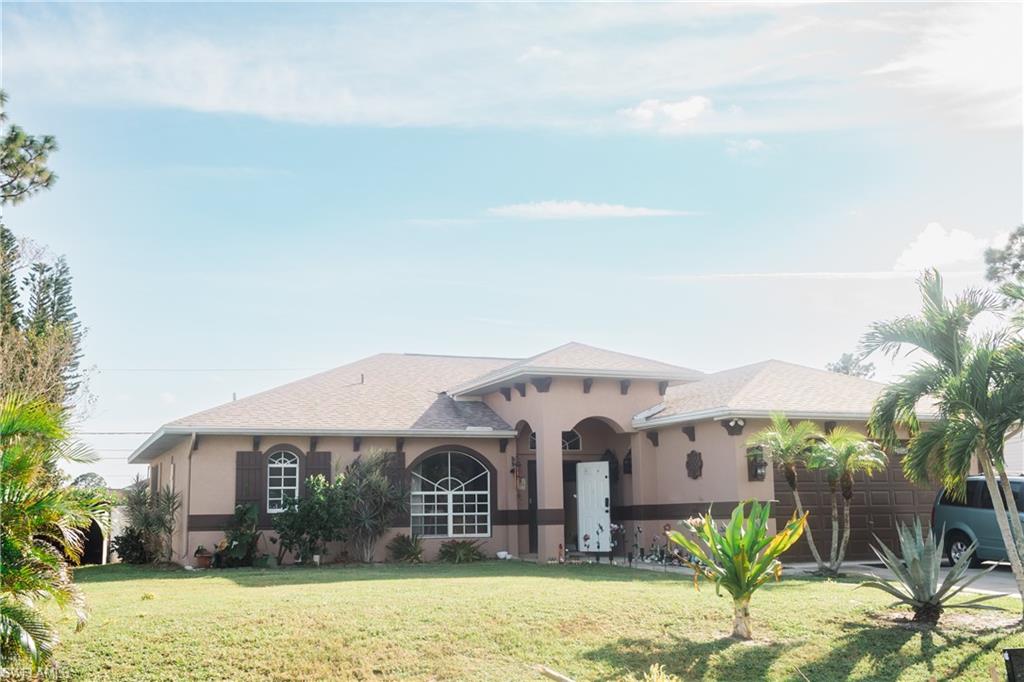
977, 386
788, 446
842, 454
41, 526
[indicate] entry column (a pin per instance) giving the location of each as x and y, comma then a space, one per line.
550, 503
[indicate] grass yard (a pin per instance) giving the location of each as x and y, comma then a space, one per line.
496, 620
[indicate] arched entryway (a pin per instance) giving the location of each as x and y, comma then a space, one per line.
592, 439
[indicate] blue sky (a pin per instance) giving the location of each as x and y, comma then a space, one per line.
265, 190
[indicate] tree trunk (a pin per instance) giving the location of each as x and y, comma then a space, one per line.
834, 548
846, 535
1011, 506
741, 619
1013, 550
807, 529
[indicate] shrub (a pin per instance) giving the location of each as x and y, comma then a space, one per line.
461, 551
372, 498
240, 540
43, 527
917, 573
131, 547
406, 549
306, 525
153, 517
740, 559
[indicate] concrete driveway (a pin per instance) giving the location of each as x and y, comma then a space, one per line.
999, 581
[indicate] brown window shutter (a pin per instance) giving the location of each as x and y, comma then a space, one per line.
396, 476
317, 463
154, 480
249, 486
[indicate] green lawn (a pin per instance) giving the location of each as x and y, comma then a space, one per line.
495, 621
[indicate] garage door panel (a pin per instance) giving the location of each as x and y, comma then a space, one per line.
876, 506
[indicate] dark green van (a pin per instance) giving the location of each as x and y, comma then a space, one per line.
974, 519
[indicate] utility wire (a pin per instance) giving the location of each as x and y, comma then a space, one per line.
210, 369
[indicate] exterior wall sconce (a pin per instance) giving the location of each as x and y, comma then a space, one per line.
733, 427
757, 467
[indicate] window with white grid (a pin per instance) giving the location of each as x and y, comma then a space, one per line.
282, 480
451, 497
570, 440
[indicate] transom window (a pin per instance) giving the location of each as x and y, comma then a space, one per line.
282, 479
570, 440
451, 497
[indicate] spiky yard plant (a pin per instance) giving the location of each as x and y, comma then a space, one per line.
739, 559
917, 573
788, 445
43, 524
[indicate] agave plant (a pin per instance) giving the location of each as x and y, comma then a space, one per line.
739, 559
917, 573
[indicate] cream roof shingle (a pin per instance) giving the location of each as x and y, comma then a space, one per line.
384, 392
575, 358
765, 387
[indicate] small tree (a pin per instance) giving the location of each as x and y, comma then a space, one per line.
739, 559
787, 446
976, 382
852, 365
842, 454
372, 499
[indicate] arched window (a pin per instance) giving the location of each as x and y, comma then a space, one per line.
282, 479
570, 440
451, 496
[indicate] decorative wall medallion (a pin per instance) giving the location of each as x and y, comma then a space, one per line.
694, 464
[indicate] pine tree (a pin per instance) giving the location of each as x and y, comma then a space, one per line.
10, 305
23, 159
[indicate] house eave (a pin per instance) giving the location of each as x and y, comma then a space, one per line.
147, 452
719, 413
506, 379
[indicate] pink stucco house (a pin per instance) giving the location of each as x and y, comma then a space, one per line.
518, 452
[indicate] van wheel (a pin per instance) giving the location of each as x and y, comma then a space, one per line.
956, 544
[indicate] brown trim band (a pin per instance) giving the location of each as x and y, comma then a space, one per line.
550, 517
501, 517
679, 511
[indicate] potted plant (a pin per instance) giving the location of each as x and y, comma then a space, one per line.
203, 557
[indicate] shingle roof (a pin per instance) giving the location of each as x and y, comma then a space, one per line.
770, 386
381, 393
575, 358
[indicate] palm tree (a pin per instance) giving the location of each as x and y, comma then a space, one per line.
842, 454
41, 526
977, 386
788, 446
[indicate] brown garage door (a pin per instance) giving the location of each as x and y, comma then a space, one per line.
878, 503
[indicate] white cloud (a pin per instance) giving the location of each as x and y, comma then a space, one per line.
776, 68
749, 146
969, 59
539, 53
936, 247
667, 117
168, 398
571, 210
861, 275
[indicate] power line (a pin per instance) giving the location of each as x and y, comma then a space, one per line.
210, 369
113, 433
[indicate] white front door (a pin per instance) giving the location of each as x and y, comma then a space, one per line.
593, 507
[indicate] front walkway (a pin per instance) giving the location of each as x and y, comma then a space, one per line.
999, 581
